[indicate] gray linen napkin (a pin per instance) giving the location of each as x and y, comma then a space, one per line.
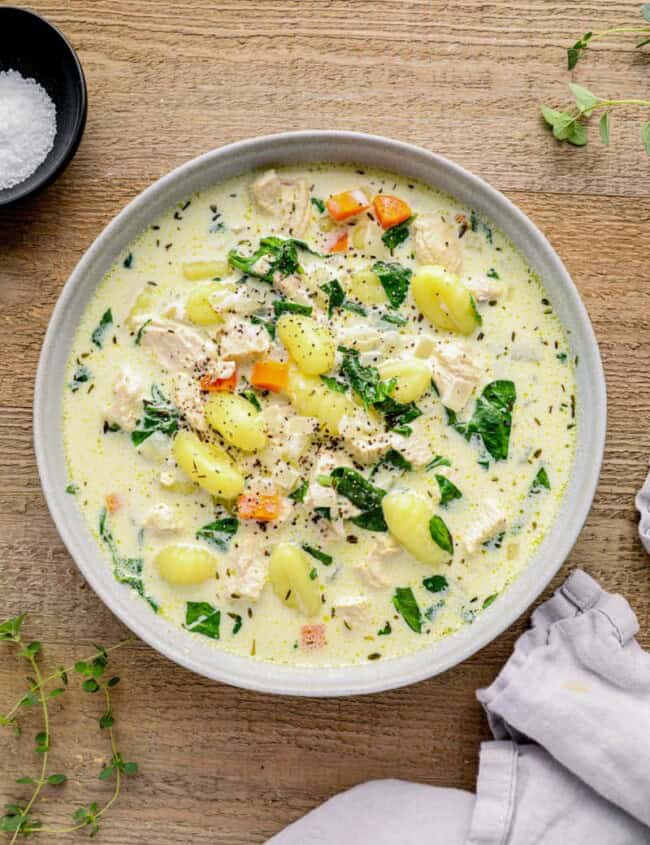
570, 764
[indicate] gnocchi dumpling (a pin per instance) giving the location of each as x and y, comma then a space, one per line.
311, 346
197, 305
195, 270
312, 398
289, 570
367, 288
237, 421
208, 465
407, 516
444, 300
183, 565
412, 378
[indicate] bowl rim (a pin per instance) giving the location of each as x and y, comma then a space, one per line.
9, 196
217, 664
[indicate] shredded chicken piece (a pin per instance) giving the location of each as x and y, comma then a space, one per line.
176, 346
290, 433
287, 199
188, 399
241, 339
415, 447
485, 289
490, 521
437, 242
224, 300
351, 608
363, 440
128, 393
163, 520
455, 374
246, 572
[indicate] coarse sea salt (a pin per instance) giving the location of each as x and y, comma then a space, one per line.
27, 127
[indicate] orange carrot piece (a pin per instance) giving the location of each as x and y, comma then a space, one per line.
270, 375
347, 204
340, 243
263, 507
391, 210
214, 385
113, 503
313, 636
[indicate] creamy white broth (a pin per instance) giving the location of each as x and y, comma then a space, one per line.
520, 340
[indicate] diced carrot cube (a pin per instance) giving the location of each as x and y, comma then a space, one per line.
262, 507
270, 375
113, 503
340, 243
312, 636
347, 204
214, 385
391, 210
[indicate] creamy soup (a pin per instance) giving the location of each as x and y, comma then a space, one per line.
319, 415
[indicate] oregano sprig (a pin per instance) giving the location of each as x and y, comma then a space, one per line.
576, 51
19, 819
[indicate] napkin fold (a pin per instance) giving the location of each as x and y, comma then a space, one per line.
570, 762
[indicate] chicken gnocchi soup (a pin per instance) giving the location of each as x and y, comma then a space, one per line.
319, 415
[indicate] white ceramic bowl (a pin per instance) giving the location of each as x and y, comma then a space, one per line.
289, 148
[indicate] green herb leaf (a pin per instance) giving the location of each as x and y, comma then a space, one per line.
603, 128
541, 481
492, 418
219, 533
448, 490
251, 396
72, 489
81, 376
355, 308
317, 203
269, 325
128, 261
159, 415
440, 534
335, 294
387, 629
284, 306
397, 415
394, 459
140, 332
55, 780
435, 583
298, 495
394, 318
438, 461
492, 274
97, 337
396, 235
406, 605
334, 384
275, 256
372, 520
357, 489
489, 600
394, 279
236, 628
202, 618
319, 554
577, 135
364, 381
645, 11
584, 98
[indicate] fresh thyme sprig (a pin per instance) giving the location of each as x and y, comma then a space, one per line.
574, 53
18, 819
570, 124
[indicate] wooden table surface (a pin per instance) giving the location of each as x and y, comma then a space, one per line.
170, 80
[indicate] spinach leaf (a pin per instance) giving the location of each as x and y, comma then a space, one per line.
492, 274
335, 294
269, 325
363, 495
334, 384
476, 224
395, 280
126, 570
383, 632
202, 618
492, 418
159, 415
80, 376
364, 381
477, 314
440, 534
406, 605
251, 396
396, 235
540, 481
97, 336
357, 489
284, 306
397, 415
298, 495
355, 308
128, 261
392, 458
317, 203
438, 461
281, 257
236, 618
140, 332
394, 318
448, 490
220, 532
435, 583
320, 555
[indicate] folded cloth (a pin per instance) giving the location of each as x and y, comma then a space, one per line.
642, 503
578, 684
385, 812
570, 763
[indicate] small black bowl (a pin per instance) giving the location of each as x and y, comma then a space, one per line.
35, 48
